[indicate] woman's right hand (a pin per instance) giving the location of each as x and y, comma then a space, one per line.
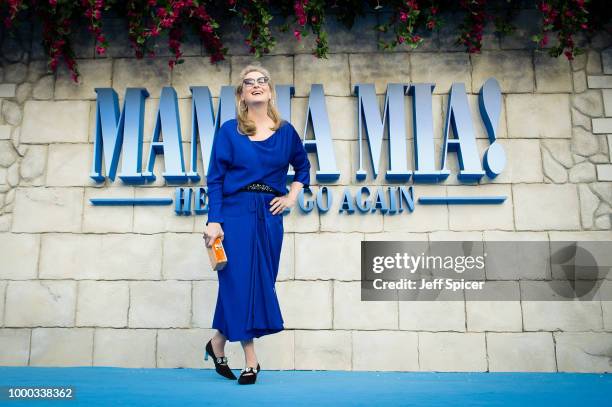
213, 230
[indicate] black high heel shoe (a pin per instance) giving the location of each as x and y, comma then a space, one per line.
220, 362
248, 375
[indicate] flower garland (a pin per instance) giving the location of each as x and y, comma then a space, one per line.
256, 18
311, 13
147, 20
408, 17
567, 18
93, 13
473, 25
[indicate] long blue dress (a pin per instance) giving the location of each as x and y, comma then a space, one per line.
247, 306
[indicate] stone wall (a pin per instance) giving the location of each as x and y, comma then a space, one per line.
132, 286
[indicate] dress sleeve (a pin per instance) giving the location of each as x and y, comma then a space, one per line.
299, 160
220, 161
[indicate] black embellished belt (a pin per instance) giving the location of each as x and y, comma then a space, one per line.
259, 187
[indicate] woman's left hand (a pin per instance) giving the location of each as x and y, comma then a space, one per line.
279, 203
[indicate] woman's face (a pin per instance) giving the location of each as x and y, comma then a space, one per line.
255, 92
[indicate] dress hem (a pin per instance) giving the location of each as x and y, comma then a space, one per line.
269, 331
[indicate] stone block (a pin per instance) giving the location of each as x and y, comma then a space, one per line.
8, 154
295, 296
133, 348
3, 285
495, 216
526, 25
55, 121
19, 254
361, 37
583, 172
432, 315
183, 348
552, 74
96, 217
204, 300
562, 315
523, 162
395, 351
160, 304
602, 126
502, 316
512, 69
604, 172
546, 207
15, 345
332, 73
442, 70
70, 165
323, 350
583, 351
94, 73
599, 81
198, 71
326, 257
350, 312
452, 352
380, 69
186, 257
584, 142
7, 90
538, 116
5, 132
149, 73
100, 257
40, 303
102, 303
580, 81
521, 352
32, 168
607, 101
61, 347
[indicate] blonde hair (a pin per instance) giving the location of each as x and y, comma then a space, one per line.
246, 125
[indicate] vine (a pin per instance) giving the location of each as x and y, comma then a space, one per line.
148, 20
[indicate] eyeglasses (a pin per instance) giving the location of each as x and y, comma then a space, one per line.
249, 82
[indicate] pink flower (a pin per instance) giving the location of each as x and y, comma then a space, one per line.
297, 34
544, 7
403, 16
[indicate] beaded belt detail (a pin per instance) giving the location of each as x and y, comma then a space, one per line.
259, 187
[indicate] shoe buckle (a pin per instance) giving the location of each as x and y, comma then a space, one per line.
222, 360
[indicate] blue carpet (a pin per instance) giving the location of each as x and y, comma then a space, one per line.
111, 386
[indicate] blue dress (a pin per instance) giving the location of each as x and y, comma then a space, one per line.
247, 306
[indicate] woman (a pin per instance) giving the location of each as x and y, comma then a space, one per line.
247, 194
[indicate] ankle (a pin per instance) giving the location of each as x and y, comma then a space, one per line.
218, 345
